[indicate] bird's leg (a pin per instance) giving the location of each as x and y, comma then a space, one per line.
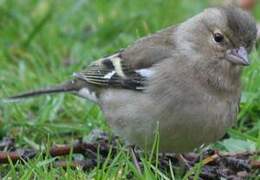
206, 156
133, 154
183, 161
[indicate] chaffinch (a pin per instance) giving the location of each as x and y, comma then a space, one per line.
183, 81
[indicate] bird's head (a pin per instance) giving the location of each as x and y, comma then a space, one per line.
219, 41
222, 33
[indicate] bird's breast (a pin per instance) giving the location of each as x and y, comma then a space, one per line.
196, 121
184, 122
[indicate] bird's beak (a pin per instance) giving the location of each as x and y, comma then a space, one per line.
238, 56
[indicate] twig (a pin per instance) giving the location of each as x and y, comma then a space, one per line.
5, 156
236, 164
82, 148
255, 164
17, 155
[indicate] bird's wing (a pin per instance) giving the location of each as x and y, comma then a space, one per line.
131, 67
112, 71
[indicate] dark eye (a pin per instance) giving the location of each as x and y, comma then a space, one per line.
218, 37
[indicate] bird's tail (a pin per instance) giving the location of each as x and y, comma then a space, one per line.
67, 87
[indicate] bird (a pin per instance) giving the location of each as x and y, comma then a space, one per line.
182, 82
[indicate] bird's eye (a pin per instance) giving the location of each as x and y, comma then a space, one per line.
218, 37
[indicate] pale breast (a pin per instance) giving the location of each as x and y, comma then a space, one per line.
193, 125
136, 117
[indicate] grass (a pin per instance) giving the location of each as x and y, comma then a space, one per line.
44, 42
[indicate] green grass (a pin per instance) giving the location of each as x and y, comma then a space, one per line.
44, 42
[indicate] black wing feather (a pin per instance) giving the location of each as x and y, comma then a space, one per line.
104, 73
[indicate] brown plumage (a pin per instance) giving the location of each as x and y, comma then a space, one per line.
183, 81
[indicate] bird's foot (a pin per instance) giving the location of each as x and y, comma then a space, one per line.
135, 159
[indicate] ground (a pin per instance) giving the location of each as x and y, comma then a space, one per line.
44, 42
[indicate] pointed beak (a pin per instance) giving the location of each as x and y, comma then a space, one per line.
238, 56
